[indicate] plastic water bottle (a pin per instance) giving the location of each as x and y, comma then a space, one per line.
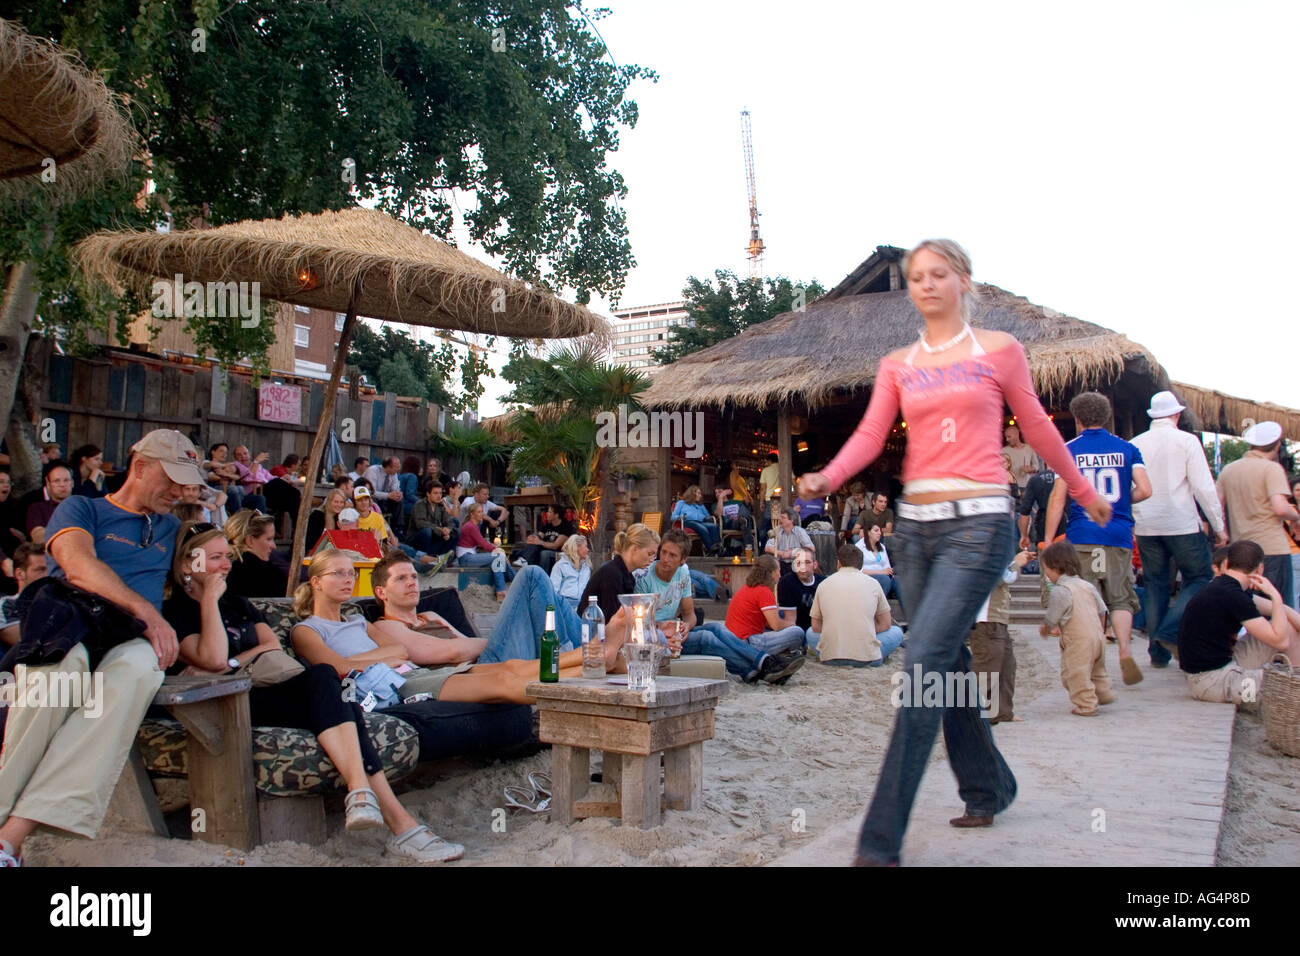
593, 640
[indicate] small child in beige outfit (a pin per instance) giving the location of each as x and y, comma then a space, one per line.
1076, 611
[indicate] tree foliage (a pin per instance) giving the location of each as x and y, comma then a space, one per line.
258, 109
730, 308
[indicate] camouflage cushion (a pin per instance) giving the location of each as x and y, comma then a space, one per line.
286, 761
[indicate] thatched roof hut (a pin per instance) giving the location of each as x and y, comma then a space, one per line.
772, 363
1230, 415
799, 382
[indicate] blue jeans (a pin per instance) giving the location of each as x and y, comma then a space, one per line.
774, 642
887, 583
945, 571
1159, 553
889, 639
518, 631
713, 638
501, 570
709, 533
428, 542
1277, 568
701, 583
237, 500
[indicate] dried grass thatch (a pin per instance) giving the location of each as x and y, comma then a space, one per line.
836, 345
52, 107
1230, 415
398, 273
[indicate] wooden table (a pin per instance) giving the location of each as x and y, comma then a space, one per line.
730, 574
579, 716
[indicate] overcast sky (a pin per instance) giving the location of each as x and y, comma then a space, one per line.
1131, 164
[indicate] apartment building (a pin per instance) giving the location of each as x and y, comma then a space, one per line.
639, 330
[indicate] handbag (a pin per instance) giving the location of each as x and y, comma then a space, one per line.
270, 667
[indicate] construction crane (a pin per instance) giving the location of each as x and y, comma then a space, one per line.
755, 247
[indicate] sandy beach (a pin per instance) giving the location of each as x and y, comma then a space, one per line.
786, 764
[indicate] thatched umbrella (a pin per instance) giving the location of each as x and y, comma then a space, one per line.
52, 108
357, 261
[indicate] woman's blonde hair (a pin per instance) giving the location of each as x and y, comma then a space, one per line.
185, 550
304, 595
955, 256
689, 493
243, 525
331, 519
636, 536
570, 550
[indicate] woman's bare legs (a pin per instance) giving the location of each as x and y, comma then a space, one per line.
340, 743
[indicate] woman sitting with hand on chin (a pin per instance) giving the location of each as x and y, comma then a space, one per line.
220, 631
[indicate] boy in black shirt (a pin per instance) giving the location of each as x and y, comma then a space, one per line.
1210, 653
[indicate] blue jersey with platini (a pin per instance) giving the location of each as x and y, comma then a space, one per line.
1107, 462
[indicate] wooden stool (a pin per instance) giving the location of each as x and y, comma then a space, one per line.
579, 716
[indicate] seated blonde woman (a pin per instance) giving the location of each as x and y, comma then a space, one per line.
220, 631
379, 662
252, 538
572, 570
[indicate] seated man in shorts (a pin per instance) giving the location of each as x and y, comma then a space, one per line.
1220, 666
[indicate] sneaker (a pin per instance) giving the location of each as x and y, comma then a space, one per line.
787, 664
520, 562
8, 856
421, 845
770, 664
432, 565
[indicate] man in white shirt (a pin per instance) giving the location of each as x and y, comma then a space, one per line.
1025, 462
851, 624
1166, 525
385, 489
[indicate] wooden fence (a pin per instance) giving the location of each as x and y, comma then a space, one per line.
114, 399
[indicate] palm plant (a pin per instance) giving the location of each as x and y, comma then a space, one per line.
471, 443
556, 435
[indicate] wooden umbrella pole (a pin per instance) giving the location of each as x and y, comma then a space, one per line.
318, 444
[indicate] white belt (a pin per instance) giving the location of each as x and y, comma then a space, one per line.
958, 508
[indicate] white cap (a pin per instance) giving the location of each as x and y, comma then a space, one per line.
349, 514
1164, 404
1262, 434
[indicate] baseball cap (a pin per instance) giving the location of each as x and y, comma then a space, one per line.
349, 514
1262, 434
176, 453
1164, 404
361, 492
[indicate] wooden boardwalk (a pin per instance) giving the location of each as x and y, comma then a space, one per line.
1141, 784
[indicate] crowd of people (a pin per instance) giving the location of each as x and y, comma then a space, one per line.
150, 572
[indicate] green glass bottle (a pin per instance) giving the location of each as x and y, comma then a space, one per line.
550, 658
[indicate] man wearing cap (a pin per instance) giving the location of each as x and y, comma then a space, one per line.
1253, 491
58, 767
1167, 526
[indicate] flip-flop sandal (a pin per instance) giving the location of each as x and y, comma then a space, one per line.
362, 810
521, 798
1129, 668
1084, 713
540, 781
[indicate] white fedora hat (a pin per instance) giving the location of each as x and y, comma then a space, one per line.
1164, 404
1263, 434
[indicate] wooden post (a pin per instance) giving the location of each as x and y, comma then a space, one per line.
318, 444
785, 468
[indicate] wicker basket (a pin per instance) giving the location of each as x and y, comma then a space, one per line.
1279, 705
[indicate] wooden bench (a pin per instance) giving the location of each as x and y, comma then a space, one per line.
214, 713
579, 716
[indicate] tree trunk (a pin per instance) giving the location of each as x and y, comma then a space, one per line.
16, 318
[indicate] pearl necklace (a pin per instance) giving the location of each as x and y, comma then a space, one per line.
955, 340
